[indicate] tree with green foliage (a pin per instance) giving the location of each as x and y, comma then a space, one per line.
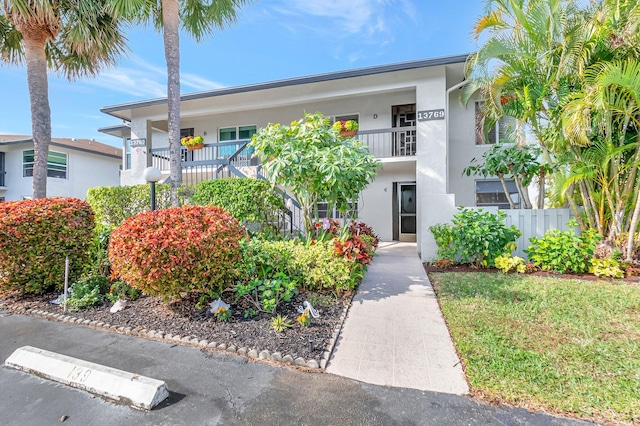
526, 67
315, 164
568, 70
197, 18
72, 38
519, 162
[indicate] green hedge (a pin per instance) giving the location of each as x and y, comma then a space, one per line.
251, 201
35, 238
113, 204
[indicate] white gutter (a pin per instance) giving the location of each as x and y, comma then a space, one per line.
447, 115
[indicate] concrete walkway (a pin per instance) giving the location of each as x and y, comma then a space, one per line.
394, 333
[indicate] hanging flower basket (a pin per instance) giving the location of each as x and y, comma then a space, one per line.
193, 142
195, 147
348, 133
347, 128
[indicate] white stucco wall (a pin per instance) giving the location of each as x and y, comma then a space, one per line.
376, 201
436, 205
462, 149
437, 167
84, 171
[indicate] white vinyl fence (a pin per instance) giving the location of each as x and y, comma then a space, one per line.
534, 223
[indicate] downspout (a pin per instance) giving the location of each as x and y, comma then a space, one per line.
446, 103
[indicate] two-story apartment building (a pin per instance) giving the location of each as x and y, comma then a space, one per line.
73, 166
409, 116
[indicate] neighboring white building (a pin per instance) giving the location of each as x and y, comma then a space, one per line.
74, 166
409, 115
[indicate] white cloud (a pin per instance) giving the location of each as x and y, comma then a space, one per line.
145, 80
199, 83
346, 24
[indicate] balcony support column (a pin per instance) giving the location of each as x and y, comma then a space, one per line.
141, 137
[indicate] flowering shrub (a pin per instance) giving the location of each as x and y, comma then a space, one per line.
345, 125
35, 238
192, 140
326, 229
177, 251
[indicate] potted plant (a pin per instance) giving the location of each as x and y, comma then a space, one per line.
347, 128
193, 142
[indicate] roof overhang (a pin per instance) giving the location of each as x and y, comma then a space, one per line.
126, 111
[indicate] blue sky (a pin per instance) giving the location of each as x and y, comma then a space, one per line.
272, 40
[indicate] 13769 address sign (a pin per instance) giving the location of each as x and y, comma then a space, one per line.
431, 114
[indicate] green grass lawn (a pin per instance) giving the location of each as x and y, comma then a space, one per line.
560, 345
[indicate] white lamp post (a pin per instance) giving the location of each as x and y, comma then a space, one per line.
152, 175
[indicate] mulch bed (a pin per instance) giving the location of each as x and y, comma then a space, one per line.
184, 319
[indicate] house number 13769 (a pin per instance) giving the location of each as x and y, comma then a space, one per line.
431, 114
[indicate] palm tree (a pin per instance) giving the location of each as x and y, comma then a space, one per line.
198, 18
524, 68
73, 38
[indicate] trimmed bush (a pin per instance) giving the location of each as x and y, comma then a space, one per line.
252, 201
315, 266
35, 238
114, 204
475, 236
321, 268
564, 251
177, 251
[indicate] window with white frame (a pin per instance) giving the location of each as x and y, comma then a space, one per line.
324, 212
56, 164
503, 129
236, 133
489, 193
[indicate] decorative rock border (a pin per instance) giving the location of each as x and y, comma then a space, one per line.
191, 340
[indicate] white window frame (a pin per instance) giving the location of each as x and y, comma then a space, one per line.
237, 132
323, 213
25, 165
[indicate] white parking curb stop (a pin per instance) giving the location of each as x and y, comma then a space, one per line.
121, 386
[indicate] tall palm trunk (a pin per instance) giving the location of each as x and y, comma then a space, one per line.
35, 58
171, 23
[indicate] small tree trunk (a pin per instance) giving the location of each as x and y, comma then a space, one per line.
632, 231
35, 58
541, 182
506, 191
171, 24
525, 201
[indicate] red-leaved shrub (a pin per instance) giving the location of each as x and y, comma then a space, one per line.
360, 228
353, 248
35, 238
177, 251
